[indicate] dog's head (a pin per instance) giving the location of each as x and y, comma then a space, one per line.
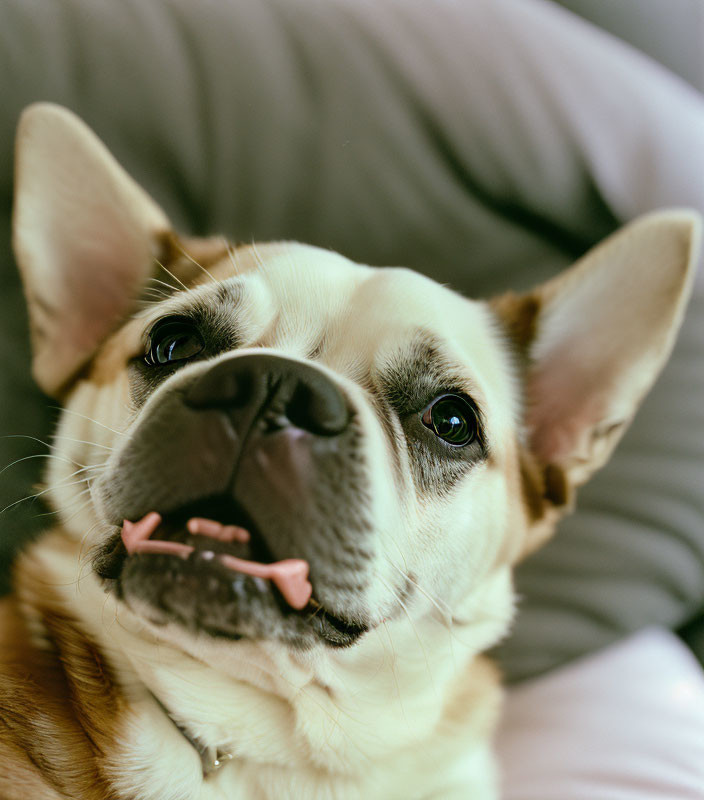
407, 444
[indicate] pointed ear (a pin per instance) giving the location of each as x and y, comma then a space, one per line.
597, 336
85, 237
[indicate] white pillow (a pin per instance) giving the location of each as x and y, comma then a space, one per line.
623, 724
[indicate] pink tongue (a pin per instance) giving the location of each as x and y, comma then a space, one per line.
290, 576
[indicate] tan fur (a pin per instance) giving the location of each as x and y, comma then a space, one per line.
59, 704
545, 489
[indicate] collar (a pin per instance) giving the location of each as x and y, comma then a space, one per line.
212, 758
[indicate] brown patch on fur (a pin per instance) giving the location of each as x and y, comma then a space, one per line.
59, 704
519, 315
556, 502
557, 487
19, 779
542, 486
189, 258
546, 497
110, 362
532, 485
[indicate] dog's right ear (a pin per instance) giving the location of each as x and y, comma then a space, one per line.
85, 237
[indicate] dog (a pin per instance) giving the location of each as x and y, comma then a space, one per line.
289, 493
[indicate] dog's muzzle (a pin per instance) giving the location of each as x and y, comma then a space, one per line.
256, 440
261, 426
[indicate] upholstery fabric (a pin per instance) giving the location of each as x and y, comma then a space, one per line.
587, 732
671, 31
486, 143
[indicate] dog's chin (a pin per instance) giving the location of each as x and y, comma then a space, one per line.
203, 596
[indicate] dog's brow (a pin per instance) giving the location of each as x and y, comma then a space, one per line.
419, 371
230, 291
211, 305
224, 297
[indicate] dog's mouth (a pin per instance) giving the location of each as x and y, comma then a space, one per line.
206, 566
290, 576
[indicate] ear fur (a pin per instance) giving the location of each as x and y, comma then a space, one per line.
596, 337
85, 237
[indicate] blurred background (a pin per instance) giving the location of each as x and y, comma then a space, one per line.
670, 32
486, 143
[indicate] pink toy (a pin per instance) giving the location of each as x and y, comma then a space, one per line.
290, 576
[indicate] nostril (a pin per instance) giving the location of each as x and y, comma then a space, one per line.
222, 388
279, 391
320, 408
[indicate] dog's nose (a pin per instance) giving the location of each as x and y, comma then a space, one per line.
287, 392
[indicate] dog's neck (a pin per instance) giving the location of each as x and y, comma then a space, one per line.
272, 709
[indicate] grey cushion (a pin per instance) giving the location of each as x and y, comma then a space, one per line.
486, 143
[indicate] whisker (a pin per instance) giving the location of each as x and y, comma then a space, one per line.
75, 500
83, 558
95, 468
168, 272
89, 467
45, 491
25, 436
231, 254
64, 483
40, 455
158, 289
394, 671
83, 441
45, 513
413, 626
17, 502
401, 555
49, 446
150, 296
446, 612
317, 611
193, 261
260, 260
90, 419
169, 289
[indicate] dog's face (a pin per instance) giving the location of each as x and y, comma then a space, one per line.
361, 419
406, 443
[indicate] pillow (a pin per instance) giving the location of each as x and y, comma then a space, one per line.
623, 724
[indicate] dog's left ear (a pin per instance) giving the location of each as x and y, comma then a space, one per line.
596, 337
85, 238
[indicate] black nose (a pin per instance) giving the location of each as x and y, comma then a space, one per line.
288, 392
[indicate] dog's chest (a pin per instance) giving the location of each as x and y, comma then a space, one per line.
425, 773
274, 761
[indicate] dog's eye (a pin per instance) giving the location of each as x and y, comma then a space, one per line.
173, 339
451, 418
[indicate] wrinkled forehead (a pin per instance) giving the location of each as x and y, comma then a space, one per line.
360, 321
